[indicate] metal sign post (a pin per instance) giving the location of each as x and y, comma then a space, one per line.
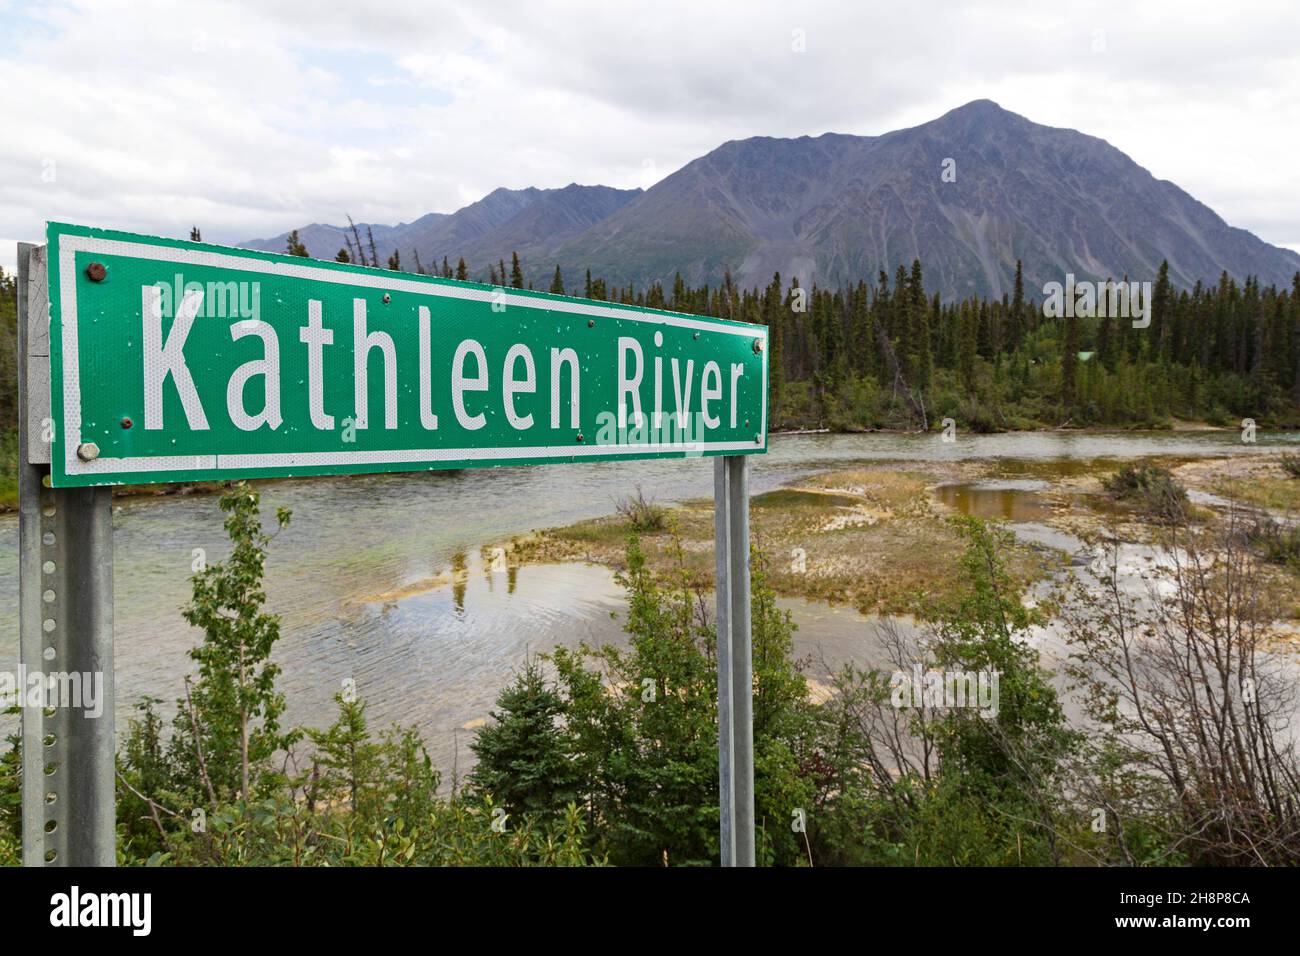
65, 595
735, 661
147, 360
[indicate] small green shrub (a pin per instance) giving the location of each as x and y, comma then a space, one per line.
641, 513
1151, 489
1279, 543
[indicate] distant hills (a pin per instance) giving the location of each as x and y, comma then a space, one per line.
838, 208
528, 221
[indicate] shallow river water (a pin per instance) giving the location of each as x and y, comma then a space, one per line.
351, 576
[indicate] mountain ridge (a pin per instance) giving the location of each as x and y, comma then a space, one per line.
839, 207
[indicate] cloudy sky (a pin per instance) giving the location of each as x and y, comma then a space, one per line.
252, 118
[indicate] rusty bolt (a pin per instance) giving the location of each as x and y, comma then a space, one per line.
591, 323
127, 423
387, 298
758, 346
579, 436
96, 272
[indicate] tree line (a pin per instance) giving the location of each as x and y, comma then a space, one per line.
888, 354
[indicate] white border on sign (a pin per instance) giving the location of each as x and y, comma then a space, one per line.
70, 245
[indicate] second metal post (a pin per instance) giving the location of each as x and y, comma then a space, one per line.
735, 661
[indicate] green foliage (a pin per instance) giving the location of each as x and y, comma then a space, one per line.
1291, 465
8, 353
348, 768
1151, 488
642, 726
210, 795
955, 785
523, 756
227, 726
863, 357
9, 468
145, 778
641, 514
11, 794
648, 743
1005, 758
1278, 542
278, 831
8, 390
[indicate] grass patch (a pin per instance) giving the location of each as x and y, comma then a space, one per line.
1264, 491
797, 498
867, 537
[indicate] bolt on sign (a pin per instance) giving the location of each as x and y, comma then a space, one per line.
180, 361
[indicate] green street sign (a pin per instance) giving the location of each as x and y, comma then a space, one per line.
182, 361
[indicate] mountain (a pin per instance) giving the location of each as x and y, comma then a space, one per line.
504, 221
837, 208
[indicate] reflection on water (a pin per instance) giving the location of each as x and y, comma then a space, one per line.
1005, 500
378, 577
1018, 499
436, 658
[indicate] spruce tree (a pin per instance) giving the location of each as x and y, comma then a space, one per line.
774, 314
349, 763
1069, 363
523, 755
922, 359
1016, 315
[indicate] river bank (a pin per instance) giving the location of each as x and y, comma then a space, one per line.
9, 458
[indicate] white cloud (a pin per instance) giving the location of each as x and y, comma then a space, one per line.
251, 118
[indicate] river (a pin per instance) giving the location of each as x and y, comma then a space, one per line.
349, 575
